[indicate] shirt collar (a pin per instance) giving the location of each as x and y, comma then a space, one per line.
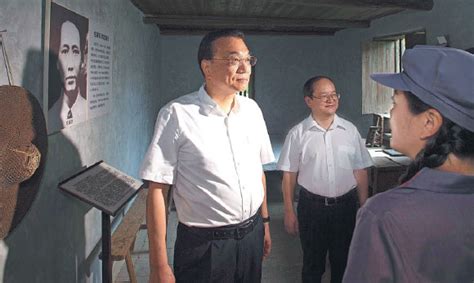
65, 107
210, 106
310, 124
429, 179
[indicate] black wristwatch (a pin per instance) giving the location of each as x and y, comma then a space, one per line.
266, 219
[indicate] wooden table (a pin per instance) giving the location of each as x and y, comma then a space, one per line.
386, 171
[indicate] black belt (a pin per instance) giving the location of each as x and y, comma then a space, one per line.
328, 201
234, 231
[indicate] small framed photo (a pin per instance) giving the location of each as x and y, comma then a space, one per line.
374, 137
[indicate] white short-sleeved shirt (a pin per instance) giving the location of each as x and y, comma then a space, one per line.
324, 159
213, 160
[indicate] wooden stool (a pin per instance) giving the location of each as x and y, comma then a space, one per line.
123, 238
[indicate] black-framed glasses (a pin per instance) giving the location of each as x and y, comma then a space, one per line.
328, 97
235, 61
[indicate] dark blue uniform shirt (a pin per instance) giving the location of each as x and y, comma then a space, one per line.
421, 231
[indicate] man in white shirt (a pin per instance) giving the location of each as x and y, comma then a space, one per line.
211, 145
326, 156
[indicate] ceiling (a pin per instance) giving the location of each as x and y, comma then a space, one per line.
315, 17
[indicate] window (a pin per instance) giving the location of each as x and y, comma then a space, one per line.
383, 55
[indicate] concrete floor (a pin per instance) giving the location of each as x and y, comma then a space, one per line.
283, 265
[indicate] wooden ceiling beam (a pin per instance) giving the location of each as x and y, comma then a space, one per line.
264, 24
164, 30
425, 5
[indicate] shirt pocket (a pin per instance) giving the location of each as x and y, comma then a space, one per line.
249, 145
309, 156
345, 156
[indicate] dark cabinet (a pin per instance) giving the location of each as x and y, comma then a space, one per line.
386, 171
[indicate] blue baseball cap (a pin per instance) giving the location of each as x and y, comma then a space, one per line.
441, 77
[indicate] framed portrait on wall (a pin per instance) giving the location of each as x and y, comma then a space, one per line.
77, 82
67, 74
374, 137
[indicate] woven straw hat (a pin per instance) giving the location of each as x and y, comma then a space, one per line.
23, 147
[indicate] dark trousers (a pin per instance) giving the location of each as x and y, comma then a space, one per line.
200, 258
325, 226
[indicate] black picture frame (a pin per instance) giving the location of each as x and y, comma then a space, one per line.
374, 137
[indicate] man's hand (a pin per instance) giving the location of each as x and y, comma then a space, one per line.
162, 274
362, 179
267, 241
291, 223
288, 187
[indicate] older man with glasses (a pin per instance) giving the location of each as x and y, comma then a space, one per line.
211, 145
326, 156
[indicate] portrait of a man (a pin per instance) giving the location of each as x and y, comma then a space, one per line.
67, 99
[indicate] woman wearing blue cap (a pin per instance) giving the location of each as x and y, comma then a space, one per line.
423, 230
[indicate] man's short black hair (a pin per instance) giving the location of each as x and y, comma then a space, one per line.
308, 85
205, 48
